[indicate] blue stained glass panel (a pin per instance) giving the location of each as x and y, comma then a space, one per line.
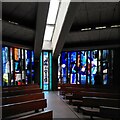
83, 66
78, 68
73, 67
45, 69
5, 65
89, 66
64, 66
94, 57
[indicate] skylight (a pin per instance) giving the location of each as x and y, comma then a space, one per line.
48, 32
53, 9
51, 18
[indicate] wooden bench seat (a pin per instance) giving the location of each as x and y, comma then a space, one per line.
10, 110
104, 112
110, 112
21, 92
72, 88
64, 86
76, 99
45, 115
91, 111
22, 87
80, 95
22, 98
96, 103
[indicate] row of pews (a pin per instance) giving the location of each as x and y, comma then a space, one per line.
24, 103
98, 102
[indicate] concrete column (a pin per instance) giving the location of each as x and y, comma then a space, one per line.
41, 18
54, 74
63, 24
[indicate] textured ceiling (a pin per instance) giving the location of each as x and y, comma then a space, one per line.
19, 22
88, 15
22, 13
96, 14
92, 15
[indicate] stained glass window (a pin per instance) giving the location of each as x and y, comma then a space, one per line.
94, 54
5, 65
80, 67
73, 67
59, 69
46, 70
17, 64
83, 66
64, 67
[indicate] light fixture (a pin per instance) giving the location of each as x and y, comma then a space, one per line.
97, 28
15, 23
53, 9
115, 26
85, 29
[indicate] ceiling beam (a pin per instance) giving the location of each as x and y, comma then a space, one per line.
91, 45
58, 41
17, 45
91, 35
41, 19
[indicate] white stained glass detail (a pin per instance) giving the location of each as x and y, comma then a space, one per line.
53, 8
18, 77
22, 54
23, 74
11, 65
48, 32
25, 59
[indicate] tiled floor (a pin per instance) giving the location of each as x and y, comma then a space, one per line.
61, 109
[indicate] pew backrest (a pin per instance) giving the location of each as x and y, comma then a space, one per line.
22, 98
21, 92
97, 102
18, 108
22, 87
95, 94
110, 112
46, 115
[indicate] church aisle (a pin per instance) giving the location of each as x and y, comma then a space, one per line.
59, 107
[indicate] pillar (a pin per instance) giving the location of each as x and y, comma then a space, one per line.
54, 74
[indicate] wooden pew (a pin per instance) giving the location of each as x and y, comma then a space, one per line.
22, 98
20, 92
17, 108
22, 87
72, 90
104, 112
21, 103
97, 102
64, 86
77, 98
109, 112
81, 94
46, 115
94, 107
